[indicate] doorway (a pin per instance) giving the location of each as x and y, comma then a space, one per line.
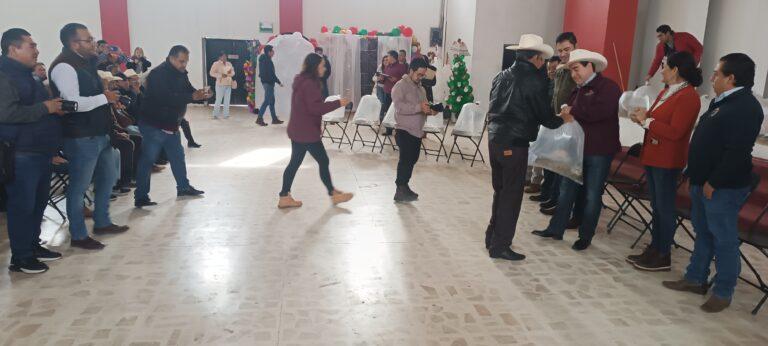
237, 53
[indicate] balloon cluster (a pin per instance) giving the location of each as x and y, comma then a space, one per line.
250, 72
402, 30
460, 90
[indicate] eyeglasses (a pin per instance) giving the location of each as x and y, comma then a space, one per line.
89, 40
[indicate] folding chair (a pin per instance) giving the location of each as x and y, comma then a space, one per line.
471, 125
753, 226
336, 118
57, 193
389, 123
437, 127
367, 115
626, 171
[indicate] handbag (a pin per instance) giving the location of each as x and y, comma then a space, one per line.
7, 162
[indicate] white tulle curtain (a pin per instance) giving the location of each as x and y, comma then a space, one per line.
343, 51
397, 44
290, 51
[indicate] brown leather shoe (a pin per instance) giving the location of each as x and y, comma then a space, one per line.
88, 244
111, 229
655, 262
340, 197
715, 304
684, 285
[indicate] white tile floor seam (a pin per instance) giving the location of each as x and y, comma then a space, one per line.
232, 269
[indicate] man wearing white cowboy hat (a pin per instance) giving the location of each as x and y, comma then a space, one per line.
519, 103
595, 105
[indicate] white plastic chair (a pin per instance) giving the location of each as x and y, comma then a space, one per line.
471, 125
367, 115
437, 127
389, 122
336, 117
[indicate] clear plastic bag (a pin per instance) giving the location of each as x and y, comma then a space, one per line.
561, 151
641, 97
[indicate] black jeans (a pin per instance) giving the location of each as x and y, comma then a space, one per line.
126, 147
187, 131
662, 185
298, 151
508, 167
410, 149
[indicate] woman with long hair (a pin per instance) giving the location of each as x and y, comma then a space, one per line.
139, 62
305, 130
668, 126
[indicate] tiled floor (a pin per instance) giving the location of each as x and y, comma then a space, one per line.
232, 269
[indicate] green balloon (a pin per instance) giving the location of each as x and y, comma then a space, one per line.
336, 29
363, 32
395, 32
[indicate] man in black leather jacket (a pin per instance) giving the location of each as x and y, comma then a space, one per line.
519, 103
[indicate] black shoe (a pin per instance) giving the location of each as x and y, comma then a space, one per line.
44, 255
506, 254
277, 121
260, 122
548, 204
193, 145
548, 211
538, 198
488, 237
581, 244
402, 195
113, 197
190, 191
414, 194
88, 244
28, 266
547, 234
143, 203
120, 190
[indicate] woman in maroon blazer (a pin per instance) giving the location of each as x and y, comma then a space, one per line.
305, 129
668, 126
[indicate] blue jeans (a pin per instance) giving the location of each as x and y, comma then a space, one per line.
154, 140
595, 172
269, 101
90, 159
27, 199
662, 185
715, 222
223, 95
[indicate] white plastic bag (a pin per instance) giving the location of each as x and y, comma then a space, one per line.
641, 97
561, 151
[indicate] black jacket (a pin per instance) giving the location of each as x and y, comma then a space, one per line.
267, 70
519, 104
168, 91
721, 146
141, 67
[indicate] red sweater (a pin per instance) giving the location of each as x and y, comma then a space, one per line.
684, 42
596, 108
307, 110
666, 142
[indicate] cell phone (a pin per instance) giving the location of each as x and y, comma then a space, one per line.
69, 106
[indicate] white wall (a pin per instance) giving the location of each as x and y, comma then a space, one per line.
44, 18
156, 26
682, 15
737, 26
503, 21
460, 23
373, 15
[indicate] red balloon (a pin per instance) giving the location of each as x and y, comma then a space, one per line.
401, 27
313, 42
373, 33
353, 29
324, 29
407, 32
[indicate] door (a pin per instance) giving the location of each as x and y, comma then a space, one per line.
237, 53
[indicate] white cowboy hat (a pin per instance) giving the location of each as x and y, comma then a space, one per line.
129, 73
580, 55
107, 75
534, 43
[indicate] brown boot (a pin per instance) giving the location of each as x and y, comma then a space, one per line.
288, 202
340, 197
635, 258
715, 304
655, 262
684, 285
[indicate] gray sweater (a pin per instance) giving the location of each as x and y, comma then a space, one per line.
407, 97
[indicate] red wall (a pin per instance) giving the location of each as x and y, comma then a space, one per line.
114, 23
598, 25
291, 17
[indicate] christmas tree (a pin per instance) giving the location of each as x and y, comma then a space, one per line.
460, 90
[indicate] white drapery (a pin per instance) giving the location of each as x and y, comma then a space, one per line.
343, 51
290, 51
